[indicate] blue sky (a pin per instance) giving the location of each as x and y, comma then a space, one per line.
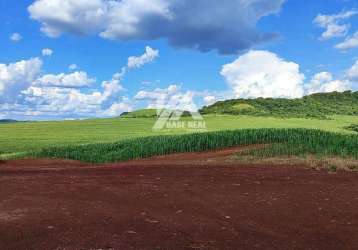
199, 52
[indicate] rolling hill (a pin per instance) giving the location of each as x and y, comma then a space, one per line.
7, 121
316, 106
141, 113
150, 113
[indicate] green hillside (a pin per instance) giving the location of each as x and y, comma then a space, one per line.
141, 113
316, 105
151, 113
7, 121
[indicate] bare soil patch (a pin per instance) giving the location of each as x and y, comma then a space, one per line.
182, 201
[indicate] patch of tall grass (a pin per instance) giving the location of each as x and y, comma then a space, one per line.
283, 141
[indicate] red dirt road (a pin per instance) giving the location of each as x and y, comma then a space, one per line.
191, 201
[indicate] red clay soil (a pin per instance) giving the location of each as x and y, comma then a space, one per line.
175, 202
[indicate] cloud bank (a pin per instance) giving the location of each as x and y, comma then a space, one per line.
323, 82
265, 74
204, 25
26, 91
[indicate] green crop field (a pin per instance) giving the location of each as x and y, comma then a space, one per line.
278, 141
22, 137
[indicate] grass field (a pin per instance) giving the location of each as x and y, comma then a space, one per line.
23, 137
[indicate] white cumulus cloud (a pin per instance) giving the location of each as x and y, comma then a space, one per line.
76, 16
171, 97
72, 67
112, 87
76, 79
352, 73
15, 37
264, 74
118, 108
333, 24
323, 82
349, 43
209, 100
138, 61
47, 52
17, 76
